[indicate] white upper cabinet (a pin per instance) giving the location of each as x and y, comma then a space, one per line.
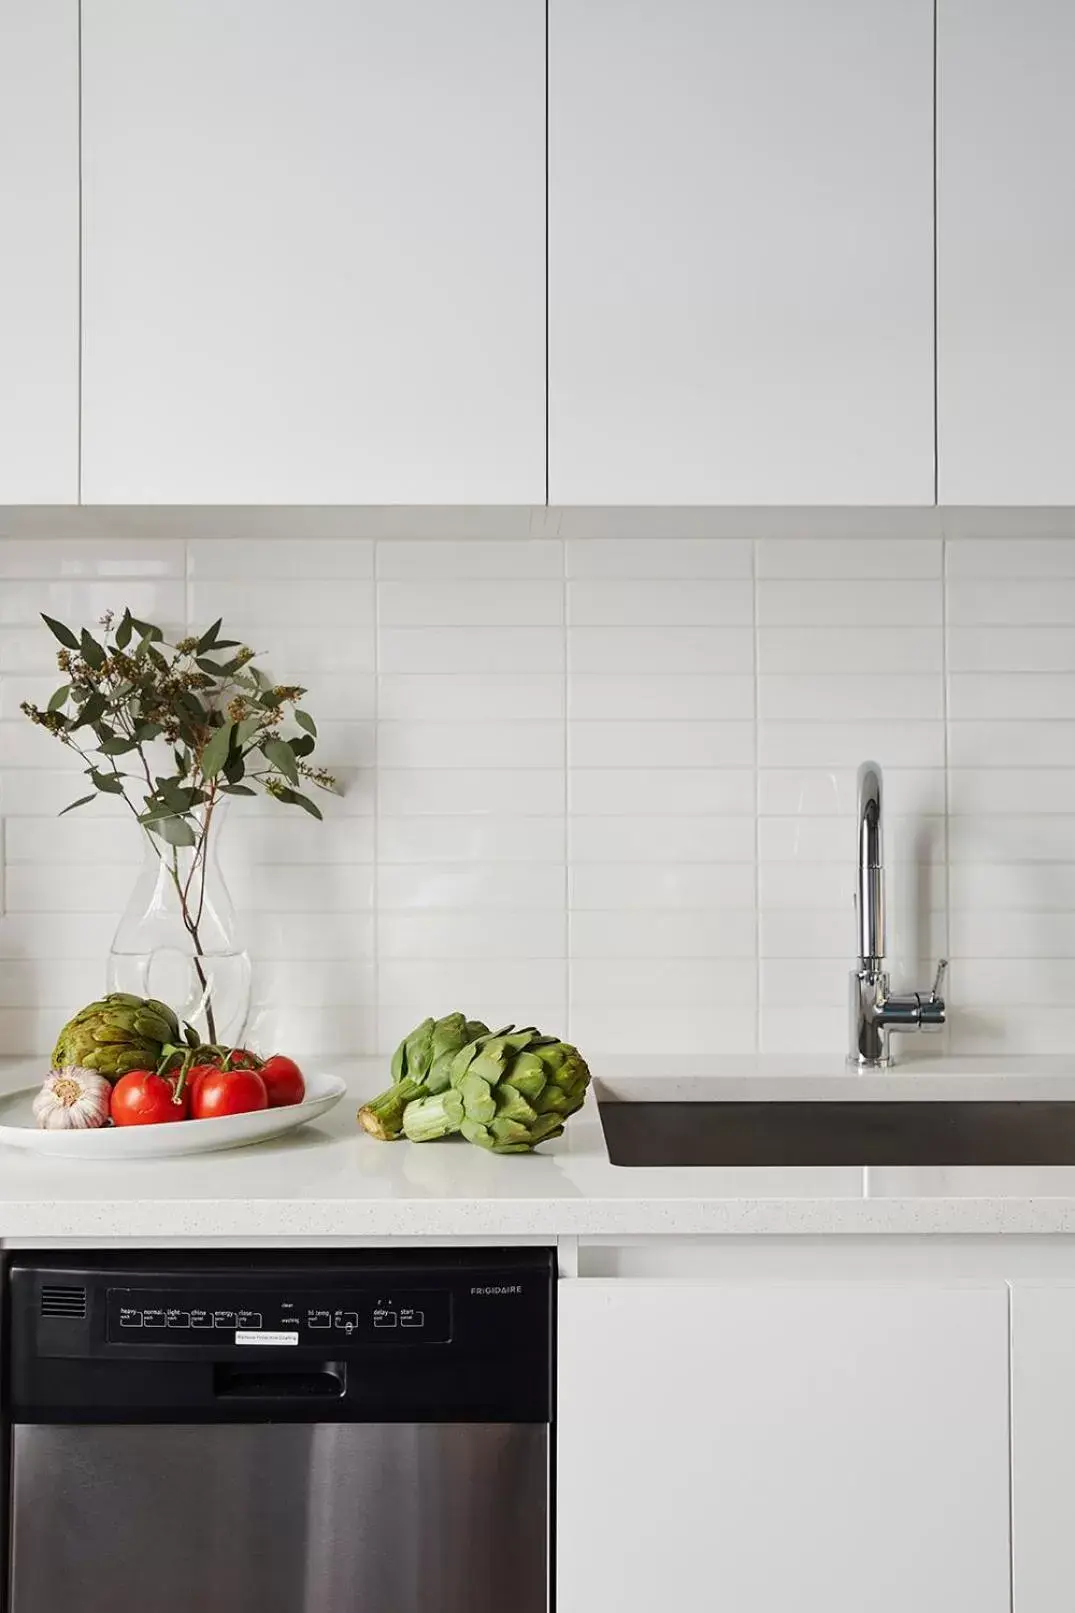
825, 1449
314, 251
741, 251
1006, 251
1043, 1447
38, 251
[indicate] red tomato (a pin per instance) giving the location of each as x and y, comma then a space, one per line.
195, 1076
283, 1081
143, 1098
229, 1092
241, 1058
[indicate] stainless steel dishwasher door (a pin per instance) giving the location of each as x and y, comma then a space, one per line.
277, 1518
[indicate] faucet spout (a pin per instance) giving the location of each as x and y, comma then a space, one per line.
875, 1010
871, 869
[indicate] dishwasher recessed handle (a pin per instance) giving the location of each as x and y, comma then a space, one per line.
241, 1380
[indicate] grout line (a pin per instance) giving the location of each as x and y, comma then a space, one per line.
1011, 1447
546, 254
568, 992
936, 370
78, 105
755, 651
947, 781
375, 1040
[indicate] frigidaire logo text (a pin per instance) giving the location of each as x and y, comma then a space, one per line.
499, 1288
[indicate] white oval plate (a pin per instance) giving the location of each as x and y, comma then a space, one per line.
17, 1129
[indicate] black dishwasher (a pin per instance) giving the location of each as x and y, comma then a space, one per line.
359, 1432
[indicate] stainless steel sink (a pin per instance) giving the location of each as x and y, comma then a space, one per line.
960, 1131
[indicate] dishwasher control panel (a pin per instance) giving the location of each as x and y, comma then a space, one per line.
209, 1318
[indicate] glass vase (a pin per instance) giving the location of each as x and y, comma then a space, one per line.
179, 941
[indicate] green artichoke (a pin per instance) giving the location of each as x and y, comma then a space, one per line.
509, 1090
421, 1066
117, 1034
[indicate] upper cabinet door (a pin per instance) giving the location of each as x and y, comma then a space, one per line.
1005, 251
38, 251
741, 251
313, 251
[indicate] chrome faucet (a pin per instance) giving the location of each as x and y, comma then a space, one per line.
875, 1011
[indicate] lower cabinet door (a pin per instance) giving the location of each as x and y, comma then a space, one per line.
1043, 1448
814, 1449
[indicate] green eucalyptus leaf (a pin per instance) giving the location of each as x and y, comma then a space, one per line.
58, 630
147, 630
209, 637
118, 745
176, 831
246, 730
302, 746
155, 656
147, 731
107, 783
82, 801
295, 798
306, 722
215, 754
235, 769
124, 630
92, 653
92, 710
212, 667
237, 789
59, 699
282, 758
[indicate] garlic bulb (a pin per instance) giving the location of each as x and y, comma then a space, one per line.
72, 1099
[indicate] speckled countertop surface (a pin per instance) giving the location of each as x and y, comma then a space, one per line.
329, 1180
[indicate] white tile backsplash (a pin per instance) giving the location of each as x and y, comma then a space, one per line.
597, 777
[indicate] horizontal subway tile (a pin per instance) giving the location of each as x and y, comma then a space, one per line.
252, 602
97, 559
691, 603
661, 840
827, 697
983, 791
836, 603
312, 888
1011, 744
29, 650
44, 793
469, 885
298, 650
843, 558
726, 934
323, 1033
830, 933
851, 650
74, 842
700, 1029
1011, 837
25, 744
803, 1030
1017, 602
652, 558
669, 982
471, 840
472, 649
326, 559
333, 697
1014, 696
1012, 934
521, 792
641, 650
471, 697
467, 745
658, 744
59, 935
519, 933
803, 983
832, 839
1002, 1028
335, 936
287, 836
82, 603
846, 744
475, 603
39, 888
322, 984
1015, 557
1013, 887
58, 984
824, 792
1011, 649
717, 886
658, 792
471, 981
810, 886
1029, 982
395, 1021
462, 559
661, 697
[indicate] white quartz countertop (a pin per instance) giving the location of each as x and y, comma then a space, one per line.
329, 1180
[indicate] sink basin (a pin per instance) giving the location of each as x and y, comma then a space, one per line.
960, 1131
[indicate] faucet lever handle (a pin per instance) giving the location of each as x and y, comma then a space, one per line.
938, 982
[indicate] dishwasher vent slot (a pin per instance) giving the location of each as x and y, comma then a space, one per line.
59, 1300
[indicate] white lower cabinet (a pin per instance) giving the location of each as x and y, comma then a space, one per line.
783, 1449
1043, 1448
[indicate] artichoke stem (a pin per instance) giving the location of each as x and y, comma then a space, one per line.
439, 1115
382, 1117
